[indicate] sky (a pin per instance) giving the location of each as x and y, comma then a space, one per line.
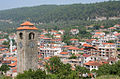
8, 4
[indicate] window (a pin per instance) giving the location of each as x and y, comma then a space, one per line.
31, 36
92, 66
21, 35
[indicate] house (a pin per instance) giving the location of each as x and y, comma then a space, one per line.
57, 36
107, 50
74, 41
64, 55
44, 32
74, 50
49, 50
74, 31
87, 58
53, 32
117, 26
98, 35
93, 65
111, 28
58, 40
61, 31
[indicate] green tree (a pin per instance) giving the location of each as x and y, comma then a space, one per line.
82, 70
31, 74
4, 68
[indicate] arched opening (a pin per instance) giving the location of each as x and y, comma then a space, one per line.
31, 35
21, 35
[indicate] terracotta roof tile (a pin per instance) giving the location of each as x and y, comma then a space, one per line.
47, 58
73, 48
27, 28
93, 63
86, 55
63, 52
27, 23
73, 39
13, 64
87, 45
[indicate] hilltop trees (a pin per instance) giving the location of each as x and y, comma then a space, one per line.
61, 16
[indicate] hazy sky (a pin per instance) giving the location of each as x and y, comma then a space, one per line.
7, 4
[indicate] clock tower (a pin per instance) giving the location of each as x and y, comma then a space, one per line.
27, 47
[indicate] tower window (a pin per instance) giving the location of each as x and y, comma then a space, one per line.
31, 36
21, 35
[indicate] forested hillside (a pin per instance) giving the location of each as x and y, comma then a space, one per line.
61, 14
54, 13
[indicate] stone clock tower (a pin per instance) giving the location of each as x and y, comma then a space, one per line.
27, 47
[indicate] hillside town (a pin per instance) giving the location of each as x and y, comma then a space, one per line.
102, 48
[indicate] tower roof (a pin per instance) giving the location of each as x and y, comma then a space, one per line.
27, 26
27, 23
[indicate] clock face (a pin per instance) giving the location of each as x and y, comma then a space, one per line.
31, 44
20, 45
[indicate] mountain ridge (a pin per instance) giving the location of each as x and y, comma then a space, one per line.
55, 13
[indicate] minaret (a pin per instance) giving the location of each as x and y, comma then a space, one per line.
27, 47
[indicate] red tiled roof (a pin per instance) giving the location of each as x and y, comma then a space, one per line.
112, 28
116, 34
77, 54
13, 64
2, 49
42, 35
98, 32
47, 58
47, 38
86, 55
56, 39
6, 61
27, 28
14, 71
87, 45
2, 39
57, 34
73, 39
67, 46
54, 31
63, 52
6, 52
14, 68
14, 50
14, 59
27, 23
117, 24
93, 63
102, 26
81, 48
73, 48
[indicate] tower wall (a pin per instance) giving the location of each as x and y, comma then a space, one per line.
27, 50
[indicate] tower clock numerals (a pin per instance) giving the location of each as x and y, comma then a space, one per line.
20, 45
31, 44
